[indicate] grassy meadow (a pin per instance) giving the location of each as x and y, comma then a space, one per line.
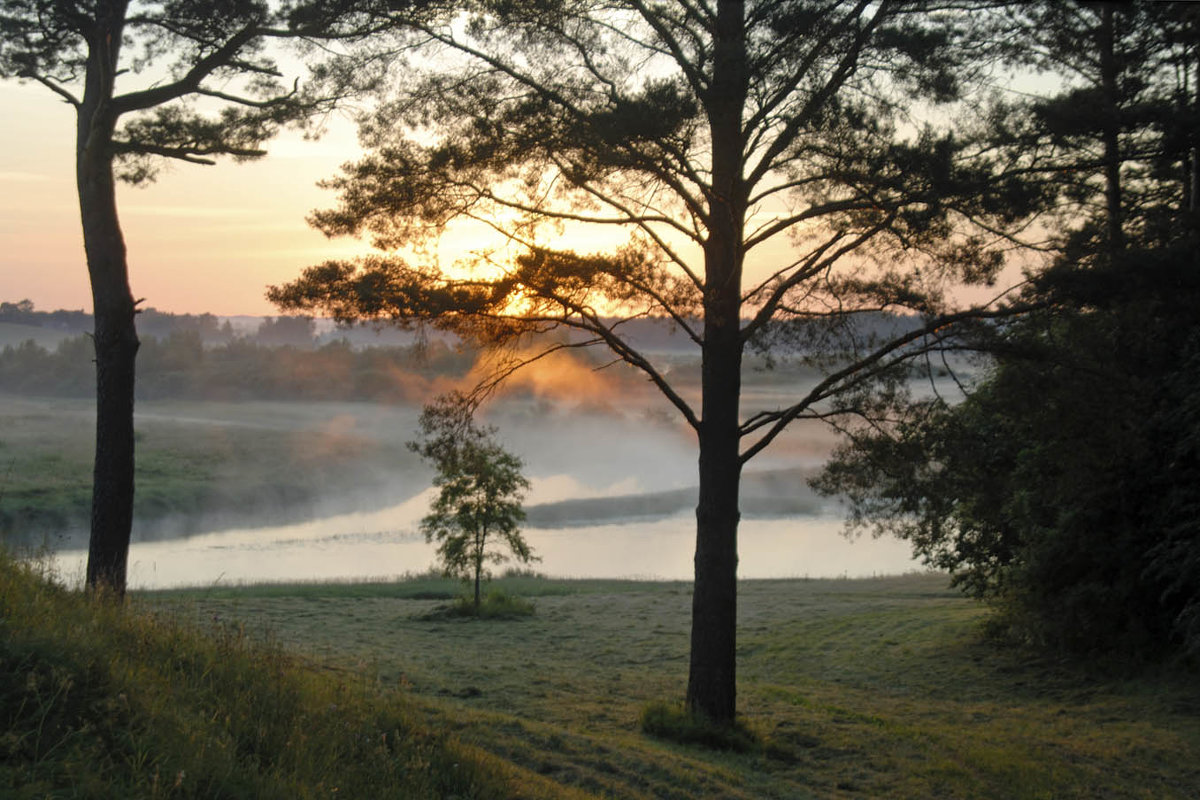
855, 688
200, 461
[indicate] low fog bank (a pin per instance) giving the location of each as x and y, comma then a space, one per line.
328, 491
590, 463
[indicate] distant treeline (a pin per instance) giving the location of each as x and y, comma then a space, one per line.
201, 356
652, 335
205, 357
23, 313
152, 323
181, 365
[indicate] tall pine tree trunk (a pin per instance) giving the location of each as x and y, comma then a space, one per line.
1109, 74
1192, 70
712, 677
115, 335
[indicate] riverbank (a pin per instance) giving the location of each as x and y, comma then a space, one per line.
202, 465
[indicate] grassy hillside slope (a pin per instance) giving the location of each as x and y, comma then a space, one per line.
104, 702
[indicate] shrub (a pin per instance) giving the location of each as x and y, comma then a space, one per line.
496, 604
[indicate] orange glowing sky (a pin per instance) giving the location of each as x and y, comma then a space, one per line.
199, 239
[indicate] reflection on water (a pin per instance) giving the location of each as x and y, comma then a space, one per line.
386, 544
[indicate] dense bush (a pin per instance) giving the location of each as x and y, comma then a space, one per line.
1067, 485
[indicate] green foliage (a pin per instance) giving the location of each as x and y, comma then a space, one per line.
675, 723
1065, 485
1128, 104
102, 701
476, 515
213, 50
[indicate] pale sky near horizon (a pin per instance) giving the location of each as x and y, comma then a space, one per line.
200, 239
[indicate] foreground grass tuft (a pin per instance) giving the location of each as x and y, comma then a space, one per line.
99, 700
496, 604
675, 723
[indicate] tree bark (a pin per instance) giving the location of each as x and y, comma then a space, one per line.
1109, 74
477, 557
712, 676
1192, 185
115, 336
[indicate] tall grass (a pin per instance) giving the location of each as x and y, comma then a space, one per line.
103, 701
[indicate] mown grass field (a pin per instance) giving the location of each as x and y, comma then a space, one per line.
857, 689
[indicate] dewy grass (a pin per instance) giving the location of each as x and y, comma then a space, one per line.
99, 700
853, 688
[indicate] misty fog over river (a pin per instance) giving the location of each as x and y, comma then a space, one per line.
613, 495
380, 545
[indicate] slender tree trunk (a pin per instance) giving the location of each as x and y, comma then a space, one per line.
1192, 187
480, 539
113, 307
1109, 73
712, 677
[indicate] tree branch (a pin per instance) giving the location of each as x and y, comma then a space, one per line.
861, 370
223, 56
58, 90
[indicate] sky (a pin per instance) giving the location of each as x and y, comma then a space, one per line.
201, 239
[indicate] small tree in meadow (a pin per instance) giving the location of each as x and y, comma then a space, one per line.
477, 512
